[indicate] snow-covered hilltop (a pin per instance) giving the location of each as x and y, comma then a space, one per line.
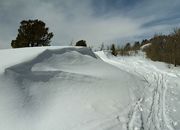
72, 88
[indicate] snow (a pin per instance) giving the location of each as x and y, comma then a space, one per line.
154, 109
11, 57
62, 88
72, 88
145, 46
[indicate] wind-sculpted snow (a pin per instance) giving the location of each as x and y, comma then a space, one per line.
65, 89
23, 71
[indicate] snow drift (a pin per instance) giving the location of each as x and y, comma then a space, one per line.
64, 89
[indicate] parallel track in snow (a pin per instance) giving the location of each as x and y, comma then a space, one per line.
157, 118
151, 115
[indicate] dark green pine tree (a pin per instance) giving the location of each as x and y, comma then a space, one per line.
32, 33
113, 50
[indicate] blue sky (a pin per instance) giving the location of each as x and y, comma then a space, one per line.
96, 21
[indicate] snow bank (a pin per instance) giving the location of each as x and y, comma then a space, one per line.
63, 88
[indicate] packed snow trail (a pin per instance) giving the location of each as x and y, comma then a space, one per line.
150, 111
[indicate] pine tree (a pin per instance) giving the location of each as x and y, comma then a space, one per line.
32, 33
113, 50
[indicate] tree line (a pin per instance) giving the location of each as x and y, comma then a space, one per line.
164, 48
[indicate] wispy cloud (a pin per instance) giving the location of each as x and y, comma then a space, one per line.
97, 22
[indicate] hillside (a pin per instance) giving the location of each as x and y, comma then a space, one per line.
72, 88
64, 88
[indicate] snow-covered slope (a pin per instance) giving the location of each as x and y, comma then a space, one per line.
64, 88
159, 105
72, 88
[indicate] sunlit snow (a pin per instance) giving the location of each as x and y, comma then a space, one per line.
72, 88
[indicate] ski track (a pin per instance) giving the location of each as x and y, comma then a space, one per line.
150, 114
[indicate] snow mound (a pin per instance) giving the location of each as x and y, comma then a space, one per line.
65, 89
47, 55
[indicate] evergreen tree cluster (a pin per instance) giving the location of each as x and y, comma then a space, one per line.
125, 50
